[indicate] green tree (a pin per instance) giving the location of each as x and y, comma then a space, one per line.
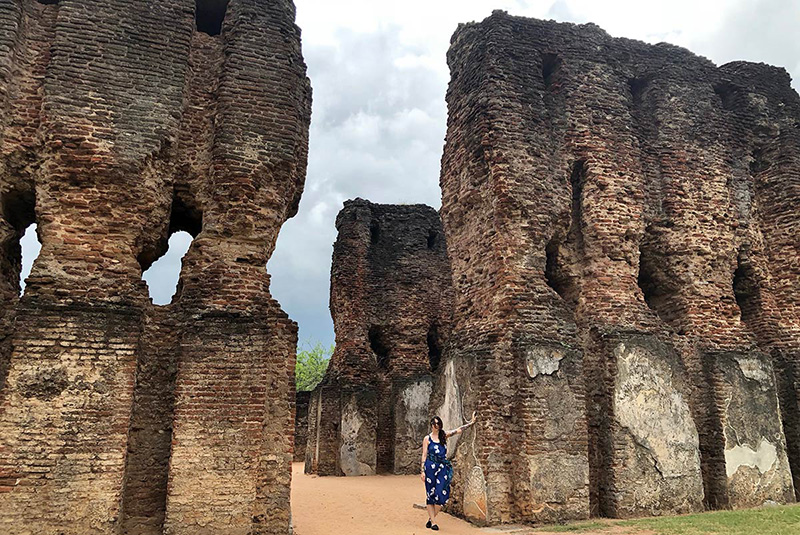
312, 361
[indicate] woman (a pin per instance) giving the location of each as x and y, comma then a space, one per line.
435, 470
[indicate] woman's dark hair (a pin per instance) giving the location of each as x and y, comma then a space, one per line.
442, 435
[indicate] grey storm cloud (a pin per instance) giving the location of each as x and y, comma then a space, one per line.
762, 31
379, 113
377, 132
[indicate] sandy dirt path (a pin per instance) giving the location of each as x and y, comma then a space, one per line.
374, 505
367, 505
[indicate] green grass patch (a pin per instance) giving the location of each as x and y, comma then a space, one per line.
779, 520
579, 527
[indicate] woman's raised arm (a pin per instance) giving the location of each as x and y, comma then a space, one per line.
459, 430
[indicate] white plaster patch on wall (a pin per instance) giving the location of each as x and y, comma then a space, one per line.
416, 398
348, 452
655, 412
451, 412
754, 369
543, 360
763, 458
475, 502
557, 478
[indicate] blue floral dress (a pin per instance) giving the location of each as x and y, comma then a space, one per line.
438, 474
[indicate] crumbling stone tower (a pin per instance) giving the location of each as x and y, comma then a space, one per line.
391, 305
622, 224
122, 122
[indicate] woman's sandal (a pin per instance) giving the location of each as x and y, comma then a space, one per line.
434, 527
428, 525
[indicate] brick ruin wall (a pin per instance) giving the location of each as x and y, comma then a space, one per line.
622, 224
391, 303
122, 122
302, 400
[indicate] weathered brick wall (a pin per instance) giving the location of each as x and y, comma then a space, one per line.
302, 400
120, 124
391, 304
150, 431
621, 220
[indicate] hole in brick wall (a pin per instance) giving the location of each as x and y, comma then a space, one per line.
758, 162
577, 180
745, 289
432, 235
434, 347
727, 93
30, 249
163, 275
647, 283
553, 273
21, 246
379, 345
637, 87
48, 2
374, 231
161, 265
209, 15
185, 214
654, 283
550, 65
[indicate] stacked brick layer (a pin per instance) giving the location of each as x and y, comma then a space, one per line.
622, 224
121, 123
302, 400
390, 303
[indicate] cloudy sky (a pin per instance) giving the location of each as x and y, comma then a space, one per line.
379, 76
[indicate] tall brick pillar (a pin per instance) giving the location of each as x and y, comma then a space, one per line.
234, 390
122, 122
82, 156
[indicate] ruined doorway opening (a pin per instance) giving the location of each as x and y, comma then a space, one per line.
162, 277
161, 267
209, 15
21, 245
30, 249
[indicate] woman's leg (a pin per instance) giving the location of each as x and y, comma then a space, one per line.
431, 512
